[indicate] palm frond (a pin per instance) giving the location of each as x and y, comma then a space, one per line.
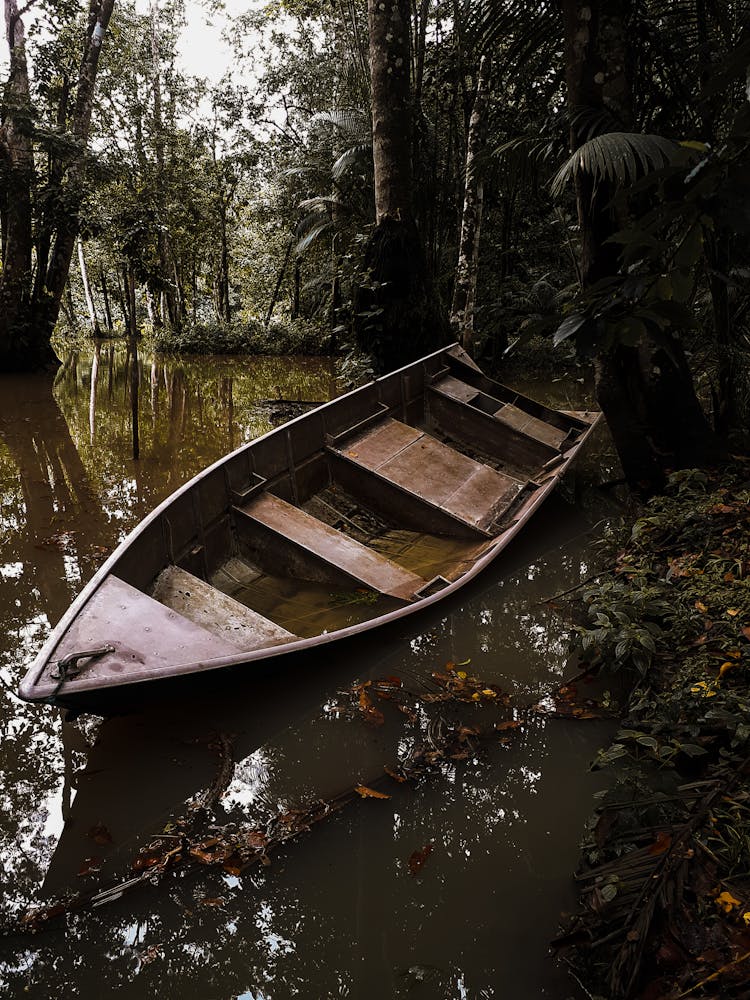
361, 152
620, 157
352, 121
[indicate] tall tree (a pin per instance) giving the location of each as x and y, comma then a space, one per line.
398, 313
29, 303
465, 285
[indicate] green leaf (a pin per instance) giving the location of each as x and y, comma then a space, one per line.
568, 327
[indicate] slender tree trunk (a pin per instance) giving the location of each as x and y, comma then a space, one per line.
170, 310
105, 299
277, 286
133, 357
465, 284
93, 319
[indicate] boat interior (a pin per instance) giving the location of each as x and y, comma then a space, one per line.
361, 507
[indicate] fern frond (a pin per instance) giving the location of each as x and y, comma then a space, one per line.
620, 157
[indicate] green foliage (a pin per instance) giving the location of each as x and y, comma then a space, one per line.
620, 157
242, 337
674, 615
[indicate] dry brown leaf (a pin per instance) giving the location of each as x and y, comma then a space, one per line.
418, 858
369, 793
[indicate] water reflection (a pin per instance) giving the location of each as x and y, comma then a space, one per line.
337, 914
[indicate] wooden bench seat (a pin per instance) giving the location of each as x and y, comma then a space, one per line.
332, 547
470, 492
533, 426
216, 612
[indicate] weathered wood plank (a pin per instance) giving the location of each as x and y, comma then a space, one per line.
143, 632
533, 426
359, 562
214, 611
434, 472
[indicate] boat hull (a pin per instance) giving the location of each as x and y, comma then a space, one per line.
344, 502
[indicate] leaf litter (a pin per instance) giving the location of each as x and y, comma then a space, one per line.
193, 842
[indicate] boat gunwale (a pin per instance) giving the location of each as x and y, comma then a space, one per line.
35, 671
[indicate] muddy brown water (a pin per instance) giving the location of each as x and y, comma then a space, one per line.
338, 913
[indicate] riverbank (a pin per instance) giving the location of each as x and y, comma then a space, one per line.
665, 873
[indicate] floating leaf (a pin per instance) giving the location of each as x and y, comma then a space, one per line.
418, 858
369, 793
394, 774
90, 866
510, 724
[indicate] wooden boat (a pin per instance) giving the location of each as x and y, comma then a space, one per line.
353, 515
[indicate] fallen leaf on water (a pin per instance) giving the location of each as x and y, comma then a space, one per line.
256, 838
418, 858
393, 774
212, 901
726, 666
90, 865
464, 731
510, 724
234, 865
489, 693
370, 793
146, 861
746, 918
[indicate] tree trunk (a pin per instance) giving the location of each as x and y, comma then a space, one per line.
397, 314
105, 299
29, 308
277, 286
170, 306
93, 319
19, 341
465, 284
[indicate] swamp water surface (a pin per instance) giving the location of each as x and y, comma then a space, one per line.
344, 911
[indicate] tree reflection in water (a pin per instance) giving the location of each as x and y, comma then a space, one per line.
337, 914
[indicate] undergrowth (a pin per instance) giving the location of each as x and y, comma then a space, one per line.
665, 903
